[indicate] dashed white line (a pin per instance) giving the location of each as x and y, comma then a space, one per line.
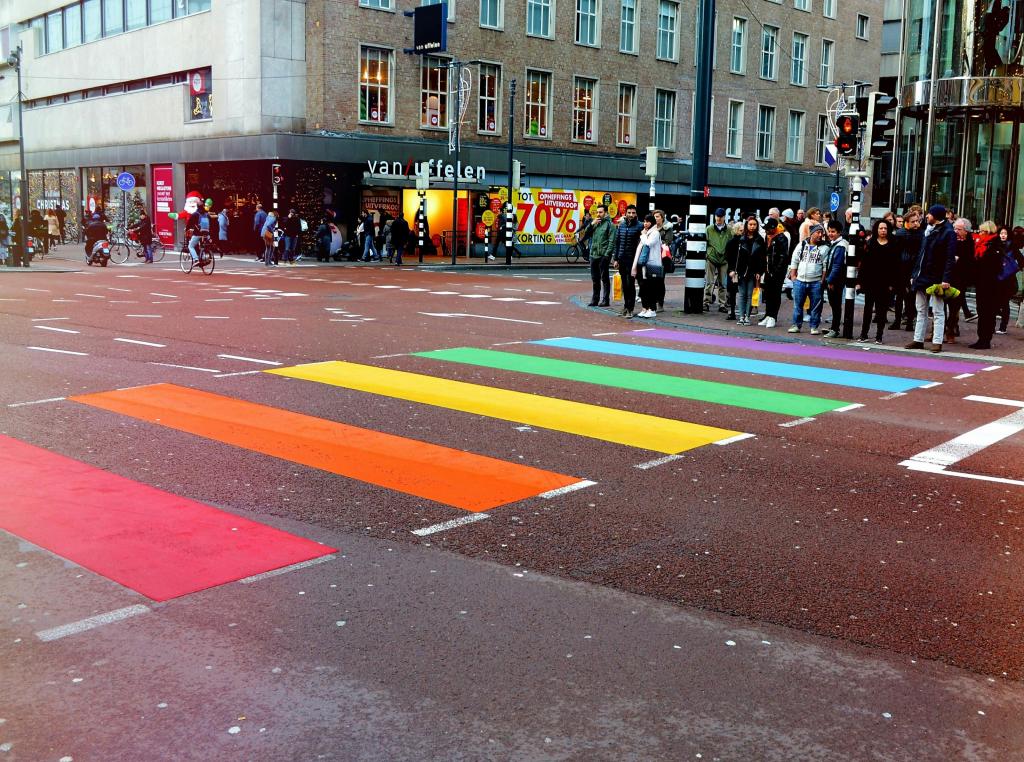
54, 328
115, 288
185, 367
893, 396
43, 290
932, 385
509, 299
277, 318
797, 422
992, 367
92, 296
994, 400
450, 524
657, 462
169, 296
964, 375
239, 373
212, 317
847, 408
36, 402
144, 316
737, 438
607, 333
566, 489
55, 633
542, 302
286, 569
249, 359
141, 343
40, 320
60, 351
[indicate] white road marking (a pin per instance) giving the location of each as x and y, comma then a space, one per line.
964, 375
387, 286
239, 373
169, 296
481, 317
144, 316
72, 301
36, 402
657, 462
60, 351
218, 300
608, 333
249, 359
39, 320
413, 290
542, 302
737, 438
54, 328
971, 442
474, 296
509, 299
443, 293
277, 318
115, 288
642, 330
286, 569
44, 290
932, 385
92, 296
931, 468
212, 317
127, 276
444, 525
141, 343
994, 400
566, 489
992, 367
507, 343
847, 408
796, 422
89, 623
345, 320
893, 396
383, 357
185, 367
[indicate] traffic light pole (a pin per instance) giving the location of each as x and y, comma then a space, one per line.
850, 292
509, 232
696, 239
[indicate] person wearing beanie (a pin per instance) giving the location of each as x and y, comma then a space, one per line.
934, 266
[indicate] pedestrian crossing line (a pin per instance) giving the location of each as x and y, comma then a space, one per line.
750, 398
741, 364
866, 356
625, 427
442, 474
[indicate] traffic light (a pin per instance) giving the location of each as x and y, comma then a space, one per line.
275, 173
651, 161
518, 170
881, 123
848, 127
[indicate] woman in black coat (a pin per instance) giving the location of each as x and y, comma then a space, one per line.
878, 272
988, 262
751, 261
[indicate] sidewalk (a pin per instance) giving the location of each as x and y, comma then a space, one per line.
1005, 349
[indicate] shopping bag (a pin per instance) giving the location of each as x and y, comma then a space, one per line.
755, 300
617, 287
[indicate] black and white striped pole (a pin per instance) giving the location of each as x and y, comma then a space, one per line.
422, 184
850, 293
510, 231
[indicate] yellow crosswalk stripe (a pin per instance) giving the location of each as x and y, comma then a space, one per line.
648, 432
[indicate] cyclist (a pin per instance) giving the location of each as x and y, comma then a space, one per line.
199, 227
144, 230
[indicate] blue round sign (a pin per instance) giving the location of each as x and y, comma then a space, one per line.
126, 181
833, 202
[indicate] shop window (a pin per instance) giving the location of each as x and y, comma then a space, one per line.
200, 95
584, 106
113, 17
433, 93
538, 103
625, 131
54, 32
160, 10
375, 85
135, 14
489, 99
92, 28
72, 26
665, 120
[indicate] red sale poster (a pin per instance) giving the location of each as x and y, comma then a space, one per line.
163, 202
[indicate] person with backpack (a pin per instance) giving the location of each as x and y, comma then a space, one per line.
805, 270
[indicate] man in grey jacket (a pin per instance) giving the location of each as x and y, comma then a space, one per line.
805, 270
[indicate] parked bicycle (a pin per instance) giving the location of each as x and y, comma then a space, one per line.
576, 252
124, 245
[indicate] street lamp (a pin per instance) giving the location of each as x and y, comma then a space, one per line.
14, 61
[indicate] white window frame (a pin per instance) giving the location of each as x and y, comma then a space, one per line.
546, 105
668, 121
826, 68
594, 21
542, 4
867, 26
768, 135
802, 5
481, 98
822, 138
390, 58
628, 115
734, 133
451, 6
799, 65
740, 47
795, 143
828, 8
442, 93
771, 57
673, 31
499, 6
378, 5
589, 114
693, 114
634, 8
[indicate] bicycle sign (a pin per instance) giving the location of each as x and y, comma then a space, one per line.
126, 181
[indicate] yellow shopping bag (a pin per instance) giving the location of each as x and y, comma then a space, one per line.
756, 298
617, 287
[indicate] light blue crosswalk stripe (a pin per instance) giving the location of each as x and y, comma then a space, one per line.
793, 371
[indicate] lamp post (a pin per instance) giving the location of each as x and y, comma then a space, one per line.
14, 61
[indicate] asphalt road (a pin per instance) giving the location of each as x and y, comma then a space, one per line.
838, 585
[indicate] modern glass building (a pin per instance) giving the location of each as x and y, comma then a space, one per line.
962, 103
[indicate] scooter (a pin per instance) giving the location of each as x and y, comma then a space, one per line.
100, 254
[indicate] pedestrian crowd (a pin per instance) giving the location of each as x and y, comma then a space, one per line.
919, 265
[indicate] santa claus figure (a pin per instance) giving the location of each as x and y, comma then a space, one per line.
191, 206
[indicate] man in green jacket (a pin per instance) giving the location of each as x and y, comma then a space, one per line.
602, 245
715, 268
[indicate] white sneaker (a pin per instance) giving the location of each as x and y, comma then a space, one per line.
490, 258
649, 314
815, 332
794, 329
763, 321
768, 323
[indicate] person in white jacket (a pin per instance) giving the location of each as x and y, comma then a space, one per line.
649, 276
806, 270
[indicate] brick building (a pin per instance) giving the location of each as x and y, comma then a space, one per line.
324, 88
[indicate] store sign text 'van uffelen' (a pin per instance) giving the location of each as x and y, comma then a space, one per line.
437, 169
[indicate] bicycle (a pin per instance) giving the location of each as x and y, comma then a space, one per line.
124, 245
205, 260
576, 252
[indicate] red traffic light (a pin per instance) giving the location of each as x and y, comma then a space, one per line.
848, 127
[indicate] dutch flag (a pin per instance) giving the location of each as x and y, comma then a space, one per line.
831, 154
